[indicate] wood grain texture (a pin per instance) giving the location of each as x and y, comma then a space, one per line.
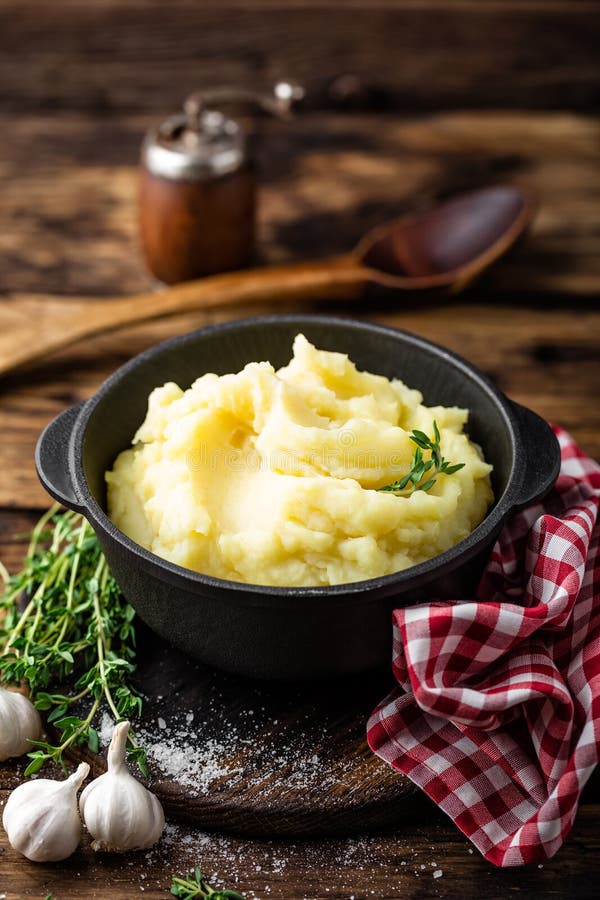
401, 256
405, 55
398, 864
69, 193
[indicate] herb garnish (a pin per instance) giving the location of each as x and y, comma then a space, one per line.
198, 887
75, 623
420, 467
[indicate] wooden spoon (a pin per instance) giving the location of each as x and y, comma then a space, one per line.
443, 249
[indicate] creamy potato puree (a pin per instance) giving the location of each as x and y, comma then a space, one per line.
270, 477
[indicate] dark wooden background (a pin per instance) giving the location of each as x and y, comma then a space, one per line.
408, 101
142, 55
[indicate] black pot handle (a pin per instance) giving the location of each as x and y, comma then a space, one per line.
52, 458
542, 456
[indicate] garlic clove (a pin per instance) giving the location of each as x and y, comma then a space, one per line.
41, 817
119, 812
20, 724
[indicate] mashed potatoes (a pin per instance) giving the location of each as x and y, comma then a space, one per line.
271, 477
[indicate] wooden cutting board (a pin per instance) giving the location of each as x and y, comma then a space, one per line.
263, 759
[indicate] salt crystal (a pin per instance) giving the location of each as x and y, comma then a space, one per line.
195, 766
106, 729
438, 873
162, 724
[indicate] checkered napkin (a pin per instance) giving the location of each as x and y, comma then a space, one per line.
497, 717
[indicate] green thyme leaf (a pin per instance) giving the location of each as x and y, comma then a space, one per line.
413, 480
198, 886
75, 620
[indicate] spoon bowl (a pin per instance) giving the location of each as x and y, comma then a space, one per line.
450, 245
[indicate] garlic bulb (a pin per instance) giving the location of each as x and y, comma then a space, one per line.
119, 812
20, 724
41, 817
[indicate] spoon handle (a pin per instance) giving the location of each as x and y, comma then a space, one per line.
31, 327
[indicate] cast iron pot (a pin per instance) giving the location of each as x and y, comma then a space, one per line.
274, 632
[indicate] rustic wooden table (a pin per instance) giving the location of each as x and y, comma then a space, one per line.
68, 170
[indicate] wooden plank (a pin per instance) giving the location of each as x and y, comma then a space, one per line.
14, 527
400, 864
69, 193
405, 55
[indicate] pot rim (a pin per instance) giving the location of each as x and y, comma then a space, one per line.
384, 585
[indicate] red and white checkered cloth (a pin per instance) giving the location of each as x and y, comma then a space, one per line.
497, 717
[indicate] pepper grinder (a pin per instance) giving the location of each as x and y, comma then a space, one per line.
197, 195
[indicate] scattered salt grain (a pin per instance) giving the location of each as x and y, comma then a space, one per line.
190, 763
106, 729
215, 748
184, 750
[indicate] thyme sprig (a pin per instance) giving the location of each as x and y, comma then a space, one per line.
198, 886
419, 466
76, 624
